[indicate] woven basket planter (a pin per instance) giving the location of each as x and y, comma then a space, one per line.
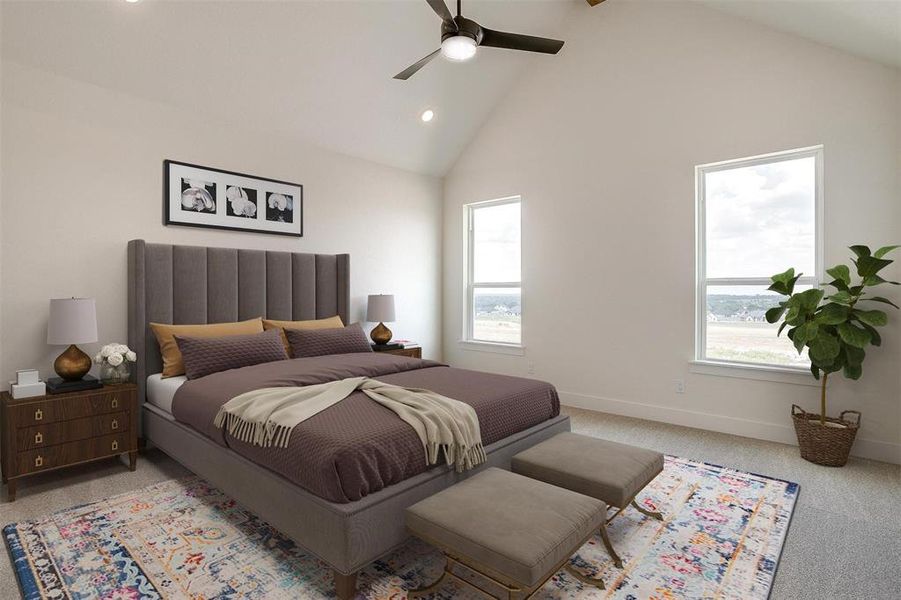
827, 445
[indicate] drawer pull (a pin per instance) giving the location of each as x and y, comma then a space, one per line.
115, 402
38, 438
39, 461
115, 445
114, 424
38, 415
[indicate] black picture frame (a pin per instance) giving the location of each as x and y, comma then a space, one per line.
272, 200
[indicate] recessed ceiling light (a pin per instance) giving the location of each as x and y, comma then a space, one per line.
427, 115
132, 1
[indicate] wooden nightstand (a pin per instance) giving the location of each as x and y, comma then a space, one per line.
411, 352
50, 432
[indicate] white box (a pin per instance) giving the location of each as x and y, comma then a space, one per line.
27, 391
27, 376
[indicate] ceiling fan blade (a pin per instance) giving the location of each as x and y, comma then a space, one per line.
442, 11
409, 71
594, 2
518, 41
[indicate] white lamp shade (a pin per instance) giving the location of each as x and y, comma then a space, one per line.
380, 308
72, 321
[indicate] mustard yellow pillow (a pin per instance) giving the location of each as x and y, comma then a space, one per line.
329, 323
165, 336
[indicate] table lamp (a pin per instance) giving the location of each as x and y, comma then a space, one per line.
381, 309
72, 321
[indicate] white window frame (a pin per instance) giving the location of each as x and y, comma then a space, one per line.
468, 316
713, 366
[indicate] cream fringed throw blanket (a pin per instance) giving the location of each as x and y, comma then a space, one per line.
265, 417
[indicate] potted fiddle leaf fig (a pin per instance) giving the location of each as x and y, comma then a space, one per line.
836, 329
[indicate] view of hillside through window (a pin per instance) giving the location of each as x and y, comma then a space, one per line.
760, 219
495, 288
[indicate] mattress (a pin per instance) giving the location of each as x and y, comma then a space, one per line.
161, 392
358, 447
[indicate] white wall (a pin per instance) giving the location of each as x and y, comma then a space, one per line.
82, 174
601, 143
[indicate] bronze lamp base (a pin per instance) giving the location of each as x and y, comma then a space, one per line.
380, 334
73, 364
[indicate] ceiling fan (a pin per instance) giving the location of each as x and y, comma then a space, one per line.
460, 37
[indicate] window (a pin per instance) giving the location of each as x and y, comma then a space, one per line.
493, 280
756, 217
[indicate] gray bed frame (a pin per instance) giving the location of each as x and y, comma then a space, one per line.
192, 284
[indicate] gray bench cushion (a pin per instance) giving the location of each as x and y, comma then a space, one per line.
507, 524
606, 470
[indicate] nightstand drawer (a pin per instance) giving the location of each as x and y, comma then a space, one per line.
67, 407
41, 436
40, 459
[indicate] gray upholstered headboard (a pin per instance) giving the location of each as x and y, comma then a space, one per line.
195, 284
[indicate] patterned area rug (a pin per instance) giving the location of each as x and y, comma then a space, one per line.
722, 537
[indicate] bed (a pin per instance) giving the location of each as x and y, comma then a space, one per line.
352, 517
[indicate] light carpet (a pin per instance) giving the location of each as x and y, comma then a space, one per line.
722, 537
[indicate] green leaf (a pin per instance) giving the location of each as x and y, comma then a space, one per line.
781, 327
809, 299
774, 314
797, 340
875, 338
805, 333
876, 318
784, 283
841, 272
825, 347
815, 370
853, 355
881, 299
860, 251
876, 280
852, 371
840, 298
868, 266
833, 314
853, 335
838, 284
884, 250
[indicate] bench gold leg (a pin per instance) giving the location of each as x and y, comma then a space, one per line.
648, 513
596, 582
425, 589
616, 559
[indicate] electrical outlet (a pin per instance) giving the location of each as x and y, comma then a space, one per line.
531, 368
679, 386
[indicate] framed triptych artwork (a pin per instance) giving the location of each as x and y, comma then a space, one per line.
205, 197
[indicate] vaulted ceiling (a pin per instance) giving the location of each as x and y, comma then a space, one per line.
319, 70
322, 70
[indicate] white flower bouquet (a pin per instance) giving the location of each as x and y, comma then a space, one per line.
113, 360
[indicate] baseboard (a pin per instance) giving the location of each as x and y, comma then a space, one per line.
773, 432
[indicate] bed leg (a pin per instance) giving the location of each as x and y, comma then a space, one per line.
345, 585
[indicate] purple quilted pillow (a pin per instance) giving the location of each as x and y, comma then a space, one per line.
203, 356
319, 342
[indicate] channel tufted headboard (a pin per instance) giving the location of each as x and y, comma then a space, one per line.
196, 284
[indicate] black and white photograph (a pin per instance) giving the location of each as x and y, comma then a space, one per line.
198, 196
241, 202
279, 208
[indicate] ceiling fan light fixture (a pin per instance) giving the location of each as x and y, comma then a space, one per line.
458, 48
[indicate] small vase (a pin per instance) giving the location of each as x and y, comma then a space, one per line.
111, 375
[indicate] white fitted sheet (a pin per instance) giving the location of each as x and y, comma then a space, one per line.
160, 392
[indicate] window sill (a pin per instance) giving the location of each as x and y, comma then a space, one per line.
758, 372
494, 347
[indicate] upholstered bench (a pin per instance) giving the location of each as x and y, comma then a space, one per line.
511, 529
608, 471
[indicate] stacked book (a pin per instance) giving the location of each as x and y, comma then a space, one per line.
407, 344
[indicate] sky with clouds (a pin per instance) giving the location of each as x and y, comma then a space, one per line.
760, 220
